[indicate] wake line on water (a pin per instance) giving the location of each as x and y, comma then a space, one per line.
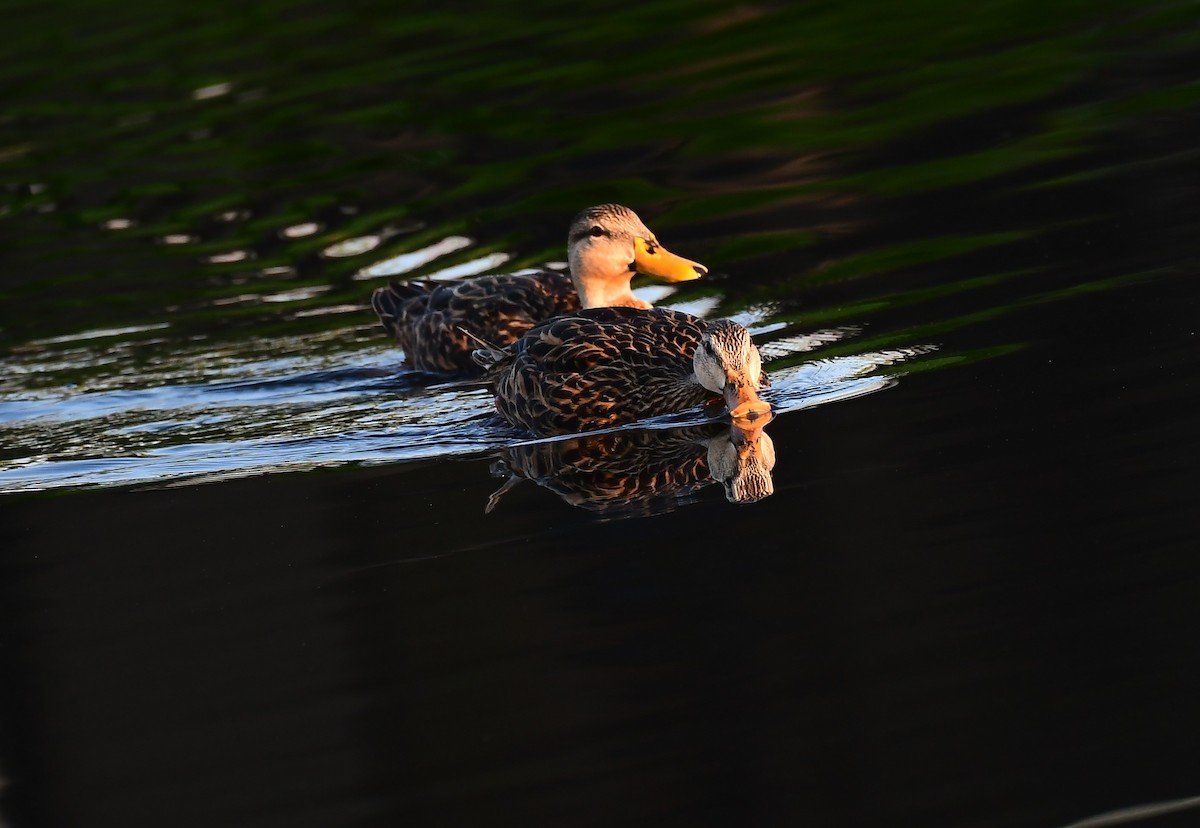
181, 435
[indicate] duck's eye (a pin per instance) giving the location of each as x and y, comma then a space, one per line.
597, 231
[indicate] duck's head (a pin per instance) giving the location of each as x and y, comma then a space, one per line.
727, 362
742, 462
607, 245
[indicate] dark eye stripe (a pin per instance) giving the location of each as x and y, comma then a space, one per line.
583, 234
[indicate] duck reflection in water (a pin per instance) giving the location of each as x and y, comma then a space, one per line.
644, 472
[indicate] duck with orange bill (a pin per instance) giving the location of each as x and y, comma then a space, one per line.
438, 323
608, 366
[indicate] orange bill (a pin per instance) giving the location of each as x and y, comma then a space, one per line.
745, 405
652, 259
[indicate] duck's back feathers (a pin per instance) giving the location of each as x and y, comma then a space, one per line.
598, 368
389, 302
431, 320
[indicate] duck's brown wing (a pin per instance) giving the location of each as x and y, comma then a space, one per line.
429, 319
598, 368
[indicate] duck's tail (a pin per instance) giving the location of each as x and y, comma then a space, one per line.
388, 300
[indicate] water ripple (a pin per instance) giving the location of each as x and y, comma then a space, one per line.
279, 413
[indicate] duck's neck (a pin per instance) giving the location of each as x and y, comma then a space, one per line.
606, 293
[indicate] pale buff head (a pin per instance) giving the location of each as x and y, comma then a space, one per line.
607, 244
728, 363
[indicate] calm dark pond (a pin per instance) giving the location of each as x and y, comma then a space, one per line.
246, 572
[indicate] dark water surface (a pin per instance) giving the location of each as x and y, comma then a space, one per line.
247, 577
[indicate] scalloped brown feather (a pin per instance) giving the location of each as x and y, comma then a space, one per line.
599, 368
428, 319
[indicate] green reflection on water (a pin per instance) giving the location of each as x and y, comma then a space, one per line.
760, 139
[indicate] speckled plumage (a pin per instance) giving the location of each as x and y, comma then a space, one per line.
601, 367
428, 319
